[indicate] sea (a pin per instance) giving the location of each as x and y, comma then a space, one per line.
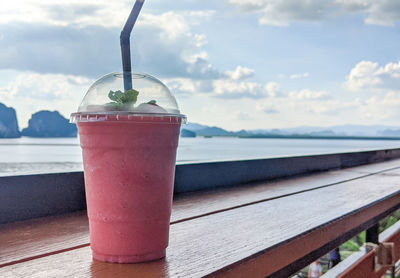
24, 156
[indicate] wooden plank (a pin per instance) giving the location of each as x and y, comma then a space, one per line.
259, 239
344, 265
38, 237
363, 268
375, 167
28, 239
201, 203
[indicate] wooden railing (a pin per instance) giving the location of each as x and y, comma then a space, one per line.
362, 263
262, 226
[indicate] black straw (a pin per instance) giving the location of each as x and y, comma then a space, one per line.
125, 44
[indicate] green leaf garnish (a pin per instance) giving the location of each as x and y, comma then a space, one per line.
129, 97
152, 102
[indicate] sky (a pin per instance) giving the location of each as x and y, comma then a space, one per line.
237, 64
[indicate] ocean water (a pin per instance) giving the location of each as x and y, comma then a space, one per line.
36, 155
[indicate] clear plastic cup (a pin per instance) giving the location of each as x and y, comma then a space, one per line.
129, 153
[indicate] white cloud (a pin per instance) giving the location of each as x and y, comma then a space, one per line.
307, 94
172, 24
66, 12
229, 86
329, 107
305, 104
391, 70
200, 40
29, 92
240, 73
186, 86
284, 12
353, 5
84, 13
382, 12
199, 66
299, 75
45, 86
198, 17
242, 116
377, 108
273, 89
232, 85
224, 88
266, 108
172, 50
368, 76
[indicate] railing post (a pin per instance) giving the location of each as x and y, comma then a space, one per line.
372, 234
393, 272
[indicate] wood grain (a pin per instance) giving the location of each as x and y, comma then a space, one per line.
201, 203
40, 236
239, 238
375, 167
28, 239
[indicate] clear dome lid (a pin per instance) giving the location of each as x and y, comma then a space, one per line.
148, 97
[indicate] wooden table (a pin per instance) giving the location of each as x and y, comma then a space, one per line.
251, 230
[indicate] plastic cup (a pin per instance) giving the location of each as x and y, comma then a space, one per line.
129, 167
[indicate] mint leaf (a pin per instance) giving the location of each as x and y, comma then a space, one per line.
128, 97
152, 102
116, 96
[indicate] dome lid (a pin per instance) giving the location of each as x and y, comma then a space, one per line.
148, 97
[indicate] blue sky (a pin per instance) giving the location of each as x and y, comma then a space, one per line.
238, 64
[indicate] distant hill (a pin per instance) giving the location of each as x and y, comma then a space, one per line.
187, 133
8, 122
391, 132
338, 131
194, 126
213, 131
323, 133
53, 124
49, 124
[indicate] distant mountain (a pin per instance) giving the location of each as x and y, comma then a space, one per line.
187, 133
49, 124
323, 133
194, 126
8, 122
334, 131
213, 131
241, 133
391, 132
337, 130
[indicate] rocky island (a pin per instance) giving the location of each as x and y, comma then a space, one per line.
187, 133
49, 124
8, 122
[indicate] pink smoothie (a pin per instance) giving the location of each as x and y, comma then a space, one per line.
129, 168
